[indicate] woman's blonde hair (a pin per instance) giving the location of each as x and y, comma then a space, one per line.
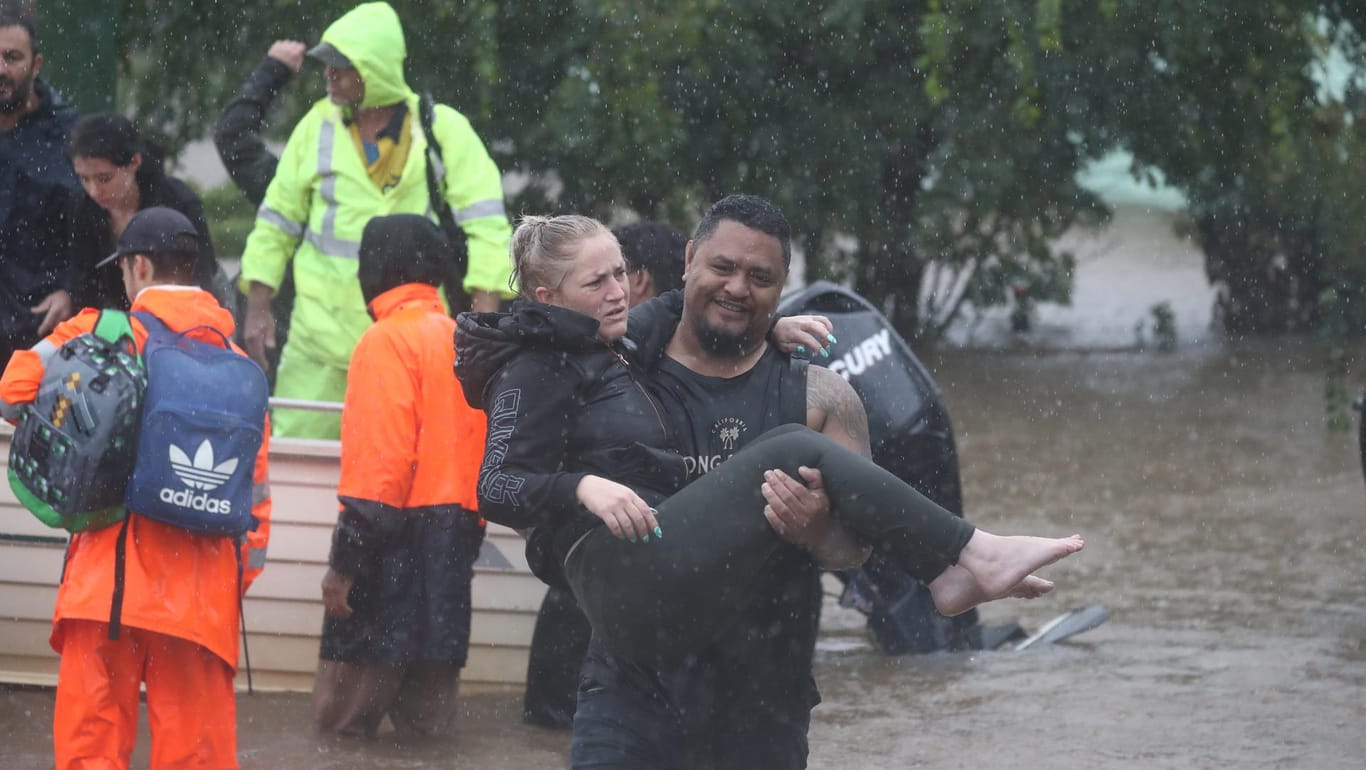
544, 248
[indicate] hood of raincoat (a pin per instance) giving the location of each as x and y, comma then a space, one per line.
400, 249
371, 36
484, 342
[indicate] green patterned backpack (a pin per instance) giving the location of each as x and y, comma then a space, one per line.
74, 448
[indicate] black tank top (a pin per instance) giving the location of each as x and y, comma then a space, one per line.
711, 418
768, 657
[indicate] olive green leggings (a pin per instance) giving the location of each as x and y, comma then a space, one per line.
662, 600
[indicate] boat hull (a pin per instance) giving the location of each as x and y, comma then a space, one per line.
283, 610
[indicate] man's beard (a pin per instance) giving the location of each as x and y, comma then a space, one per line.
19, 91
722, 343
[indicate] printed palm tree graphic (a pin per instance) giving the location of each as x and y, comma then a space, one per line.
729, 436
201, 473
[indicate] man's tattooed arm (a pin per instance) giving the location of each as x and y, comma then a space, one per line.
834, 409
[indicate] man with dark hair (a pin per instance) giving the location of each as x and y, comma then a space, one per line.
180, 591
35, 180
744, 702
654, 257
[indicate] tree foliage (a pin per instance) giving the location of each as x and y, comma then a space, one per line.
925, 150
1228, 101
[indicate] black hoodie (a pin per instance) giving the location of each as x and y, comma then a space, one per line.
35, 181
560, 405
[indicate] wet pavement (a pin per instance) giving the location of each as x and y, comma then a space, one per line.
1224, 527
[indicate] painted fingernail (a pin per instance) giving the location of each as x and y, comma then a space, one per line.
801, 348
825, 352
832, 339
632, 538
645, 539
659, 533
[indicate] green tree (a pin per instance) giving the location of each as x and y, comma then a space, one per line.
925, 150
896, 135
1222, 98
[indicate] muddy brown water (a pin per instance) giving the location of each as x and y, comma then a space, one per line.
1224, 530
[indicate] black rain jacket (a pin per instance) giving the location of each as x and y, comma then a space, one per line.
90, 240
238, 135
36, 180
561, 405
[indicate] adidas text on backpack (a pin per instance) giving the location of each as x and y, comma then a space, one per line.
202, 423
72, 453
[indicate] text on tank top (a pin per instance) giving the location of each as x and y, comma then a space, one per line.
712, 418
766, 658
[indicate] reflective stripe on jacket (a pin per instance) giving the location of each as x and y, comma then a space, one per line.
176, 582
317, 206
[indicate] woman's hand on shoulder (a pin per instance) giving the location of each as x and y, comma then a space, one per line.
803, 334
621, 509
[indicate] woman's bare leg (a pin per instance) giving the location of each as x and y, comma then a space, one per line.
993, 567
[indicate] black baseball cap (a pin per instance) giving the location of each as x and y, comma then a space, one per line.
330, 56
152, 231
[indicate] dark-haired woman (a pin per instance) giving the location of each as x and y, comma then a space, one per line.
121, 174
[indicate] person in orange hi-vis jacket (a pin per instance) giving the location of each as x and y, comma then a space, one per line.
181, 603
397, 590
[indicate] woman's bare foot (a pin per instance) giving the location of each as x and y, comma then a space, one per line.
992, 567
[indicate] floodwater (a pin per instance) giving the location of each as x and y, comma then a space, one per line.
1223, 524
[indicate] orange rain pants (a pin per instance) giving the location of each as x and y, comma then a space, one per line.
190, 703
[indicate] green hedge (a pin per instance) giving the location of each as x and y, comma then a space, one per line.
230, 218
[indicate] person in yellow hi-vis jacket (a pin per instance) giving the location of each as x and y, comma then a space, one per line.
357, 154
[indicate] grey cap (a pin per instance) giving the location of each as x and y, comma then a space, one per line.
330, 56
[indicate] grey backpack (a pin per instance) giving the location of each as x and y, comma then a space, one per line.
73, 451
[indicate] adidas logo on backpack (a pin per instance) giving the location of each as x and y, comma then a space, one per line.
199, 473
212, 399
72, 461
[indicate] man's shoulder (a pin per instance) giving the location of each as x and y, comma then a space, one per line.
38, 144
323, 111
53, 112
81, 323
449, 122
442, 111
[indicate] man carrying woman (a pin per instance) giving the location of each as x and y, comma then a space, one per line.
581, 452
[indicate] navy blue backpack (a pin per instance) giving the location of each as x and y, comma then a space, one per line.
202, 420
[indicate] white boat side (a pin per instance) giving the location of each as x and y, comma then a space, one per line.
283, 610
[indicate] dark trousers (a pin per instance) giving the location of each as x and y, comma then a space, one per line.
552, 673
692, 717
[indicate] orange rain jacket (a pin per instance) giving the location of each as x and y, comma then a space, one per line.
410, 455
176, 582
409, 440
